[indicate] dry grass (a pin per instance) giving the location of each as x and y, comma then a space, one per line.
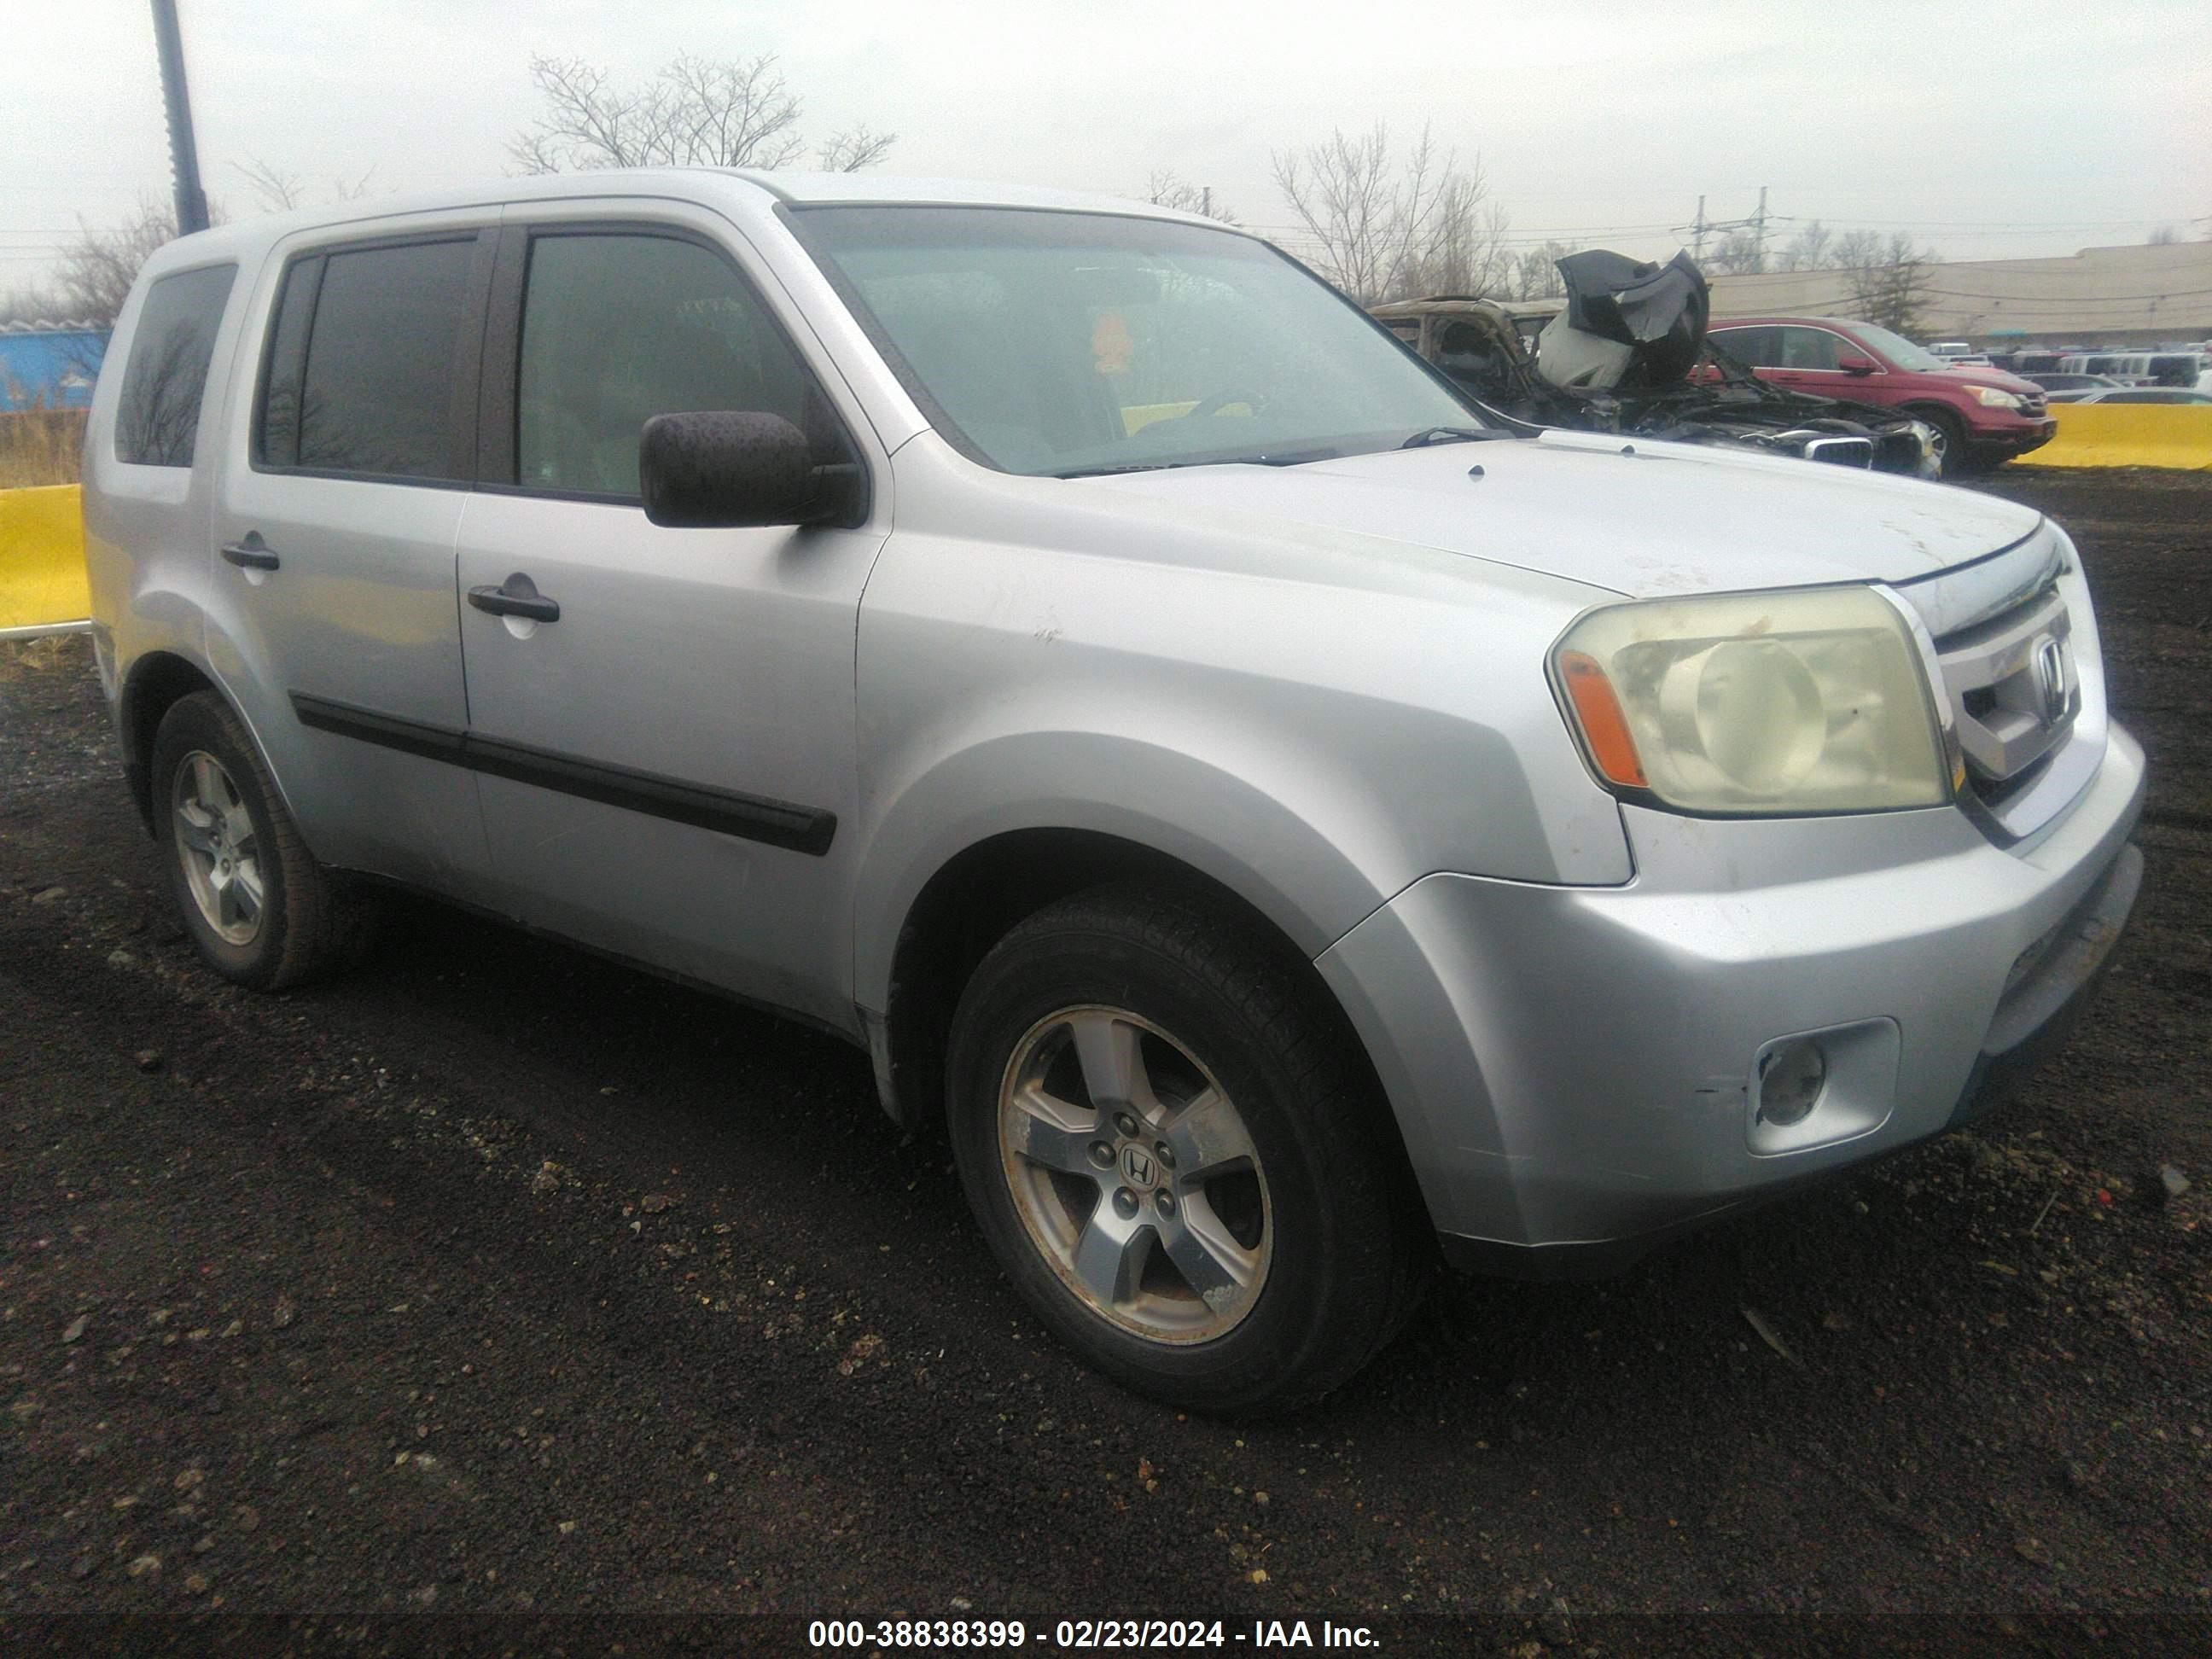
39, 446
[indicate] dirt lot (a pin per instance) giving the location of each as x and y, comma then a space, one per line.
497, 1280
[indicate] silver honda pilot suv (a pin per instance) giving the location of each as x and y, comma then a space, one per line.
1284, 830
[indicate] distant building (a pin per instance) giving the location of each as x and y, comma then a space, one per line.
50, 365
2146, 294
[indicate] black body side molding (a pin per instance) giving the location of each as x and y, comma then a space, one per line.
751, 817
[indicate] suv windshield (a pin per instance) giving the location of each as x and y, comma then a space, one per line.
1059, 344
1900, 351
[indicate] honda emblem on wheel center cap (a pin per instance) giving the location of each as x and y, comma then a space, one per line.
1137, 1166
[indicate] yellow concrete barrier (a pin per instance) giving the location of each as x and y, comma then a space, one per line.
42, 558
2129, 435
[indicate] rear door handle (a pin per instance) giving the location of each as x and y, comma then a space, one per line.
518, 596
250, 553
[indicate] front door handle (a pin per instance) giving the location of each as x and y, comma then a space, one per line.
250, 553
518, 596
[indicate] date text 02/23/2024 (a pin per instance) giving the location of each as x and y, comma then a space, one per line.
1082, 1635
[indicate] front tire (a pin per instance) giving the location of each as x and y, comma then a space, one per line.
259, 909
1177, 1152
1953, 460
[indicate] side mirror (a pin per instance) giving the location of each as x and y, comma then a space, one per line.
1856, 365
732, 469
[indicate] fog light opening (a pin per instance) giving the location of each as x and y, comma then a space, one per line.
1791, 1078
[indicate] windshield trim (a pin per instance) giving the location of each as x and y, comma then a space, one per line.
796, 216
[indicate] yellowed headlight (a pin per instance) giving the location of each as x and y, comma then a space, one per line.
1807, 700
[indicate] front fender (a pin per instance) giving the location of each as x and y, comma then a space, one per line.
1308, 879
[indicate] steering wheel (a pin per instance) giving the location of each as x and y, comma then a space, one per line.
1220, 400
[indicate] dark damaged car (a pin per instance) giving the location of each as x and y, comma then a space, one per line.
1627, 353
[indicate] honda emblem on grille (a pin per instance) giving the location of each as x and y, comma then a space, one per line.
2050, 678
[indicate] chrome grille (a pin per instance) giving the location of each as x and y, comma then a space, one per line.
2014, 691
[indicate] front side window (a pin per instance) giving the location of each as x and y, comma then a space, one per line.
1809, 348
1900, 352
1061, 343
376, 395
619, 328
165, 379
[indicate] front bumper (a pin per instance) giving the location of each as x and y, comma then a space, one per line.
1575, 1070
2009, 442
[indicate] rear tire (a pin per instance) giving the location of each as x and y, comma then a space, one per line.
1178, 1154
259, 909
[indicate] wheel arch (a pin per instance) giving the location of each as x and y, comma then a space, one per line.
979, 895
156, 683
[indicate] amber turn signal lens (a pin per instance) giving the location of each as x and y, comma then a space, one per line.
1604, 727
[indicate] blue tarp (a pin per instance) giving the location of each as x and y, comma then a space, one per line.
49, 368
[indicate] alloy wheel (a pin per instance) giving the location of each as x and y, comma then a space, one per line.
219, 848
1134, 1175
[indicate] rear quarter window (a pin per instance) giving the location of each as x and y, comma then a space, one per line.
164, 381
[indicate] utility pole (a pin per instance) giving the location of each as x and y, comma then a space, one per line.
1697, 235
1206, 200
184, 153
1759, 232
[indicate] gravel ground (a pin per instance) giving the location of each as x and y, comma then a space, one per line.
496, 1280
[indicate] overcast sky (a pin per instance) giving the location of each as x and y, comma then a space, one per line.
2033, 127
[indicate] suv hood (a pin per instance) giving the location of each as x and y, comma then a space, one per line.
2002, 379
1639, 517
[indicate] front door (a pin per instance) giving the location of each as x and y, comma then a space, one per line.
666, 749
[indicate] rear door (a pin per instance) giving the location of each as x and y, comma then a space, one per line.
667, 766
334, 624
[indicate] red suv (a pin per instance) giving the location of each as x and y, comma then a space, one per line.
1982, 417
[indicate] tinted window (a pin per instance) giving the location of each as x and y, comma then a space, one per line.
276, 427
166, 376
617, 329
1759, 348
378, 392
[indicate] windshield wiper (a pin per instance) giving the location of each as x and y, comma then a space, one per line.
1293, 458
1129, 467
1452, 435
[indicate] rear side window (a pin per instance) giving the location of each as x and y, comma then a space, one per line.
365, 361
1758, 347
165, 379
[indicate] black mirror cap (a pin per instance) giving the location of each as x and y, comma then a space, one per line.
733, 469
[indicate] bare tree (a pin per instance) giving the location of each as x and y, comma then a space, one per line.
854, 150
95, 270
277, 191
1167, 189
696, 112
1536, 273
1464, 252
1810, 249
1888, 278
2164, 236
1387, 229
1742, 252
